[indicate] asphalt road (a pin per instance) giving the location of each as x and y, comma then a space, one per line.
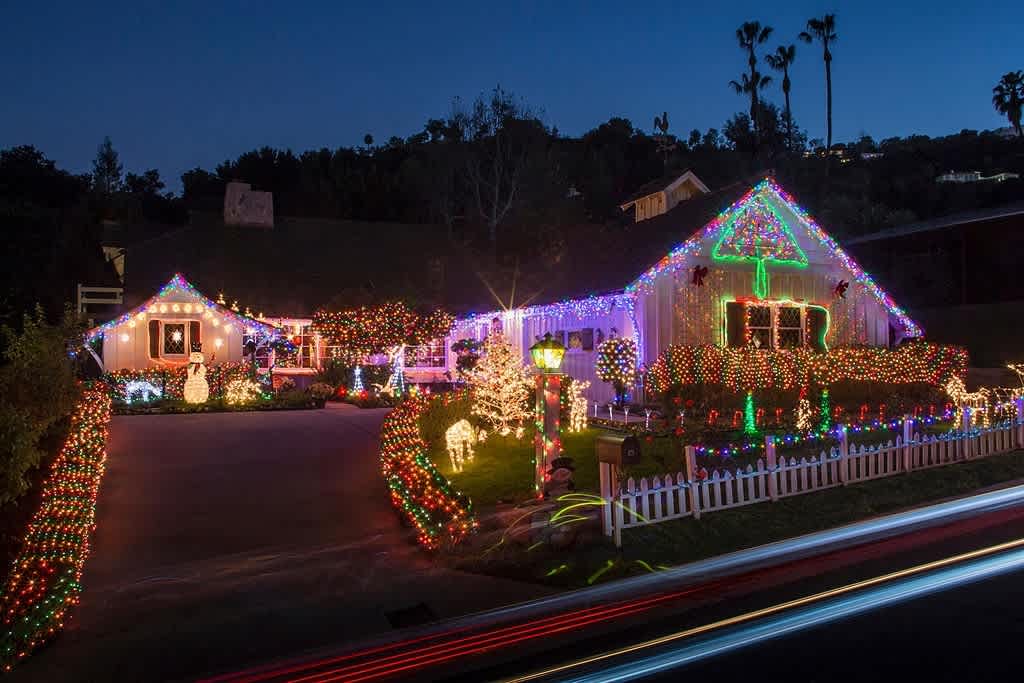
225, 540
970, 633
971, 629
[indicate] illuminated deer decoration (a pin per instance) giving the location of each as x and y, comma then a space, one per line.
460, 439
977, 401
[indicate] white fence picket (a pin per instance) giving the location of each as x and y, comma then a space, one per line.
666, 497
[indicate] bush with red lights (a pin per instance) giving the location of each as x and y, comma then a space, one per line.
745, 369
44, 580
422, 495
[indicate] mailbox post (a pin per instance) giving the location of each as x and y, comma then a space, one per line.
613, 451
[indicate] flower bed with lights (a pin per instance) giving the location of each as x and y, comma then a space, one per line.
131, 386
421, 494
44, 579
161, 390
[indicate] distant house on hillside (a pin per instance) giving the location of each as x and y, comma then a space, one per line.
662, 195
974, 177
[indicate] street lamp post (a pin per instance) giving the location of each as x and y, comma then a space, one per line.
547, 356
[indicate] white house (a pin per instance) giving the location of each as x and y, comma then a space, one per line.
762, 273
162, 331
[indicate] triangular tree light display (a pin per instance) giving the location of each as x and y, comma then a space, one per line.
755, 232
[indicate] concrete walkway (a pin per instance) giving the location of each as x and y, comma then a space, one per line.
224, 540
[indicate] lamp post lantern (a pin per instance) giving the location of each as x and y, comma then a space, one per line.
547, 356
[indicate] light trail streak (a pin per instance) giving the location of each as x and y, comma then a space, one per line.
488, 640
574, 606
776, 621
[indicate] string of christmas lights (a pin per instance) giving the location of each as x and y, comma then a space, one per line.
753, 369
588, 307
440, 514
44, 580
204, 308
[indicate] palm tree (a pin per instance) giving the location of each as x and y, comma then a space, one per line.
750, 35
824, 31
1008, 98
781, 61
750, 85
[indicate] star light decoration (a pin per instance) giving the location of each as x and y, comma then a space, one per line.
681, 256
45, 578
203, 309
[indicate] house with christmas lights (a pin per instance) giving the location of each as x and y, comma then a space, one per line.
754, 271
163, 330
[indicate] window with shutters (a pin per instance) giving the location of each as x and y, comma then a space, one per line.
771, 325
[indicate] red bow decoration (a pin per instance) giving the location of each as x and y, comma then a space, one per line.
841, 288
699, 273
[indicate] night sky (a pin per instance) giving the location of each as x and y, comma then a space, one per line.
205, 81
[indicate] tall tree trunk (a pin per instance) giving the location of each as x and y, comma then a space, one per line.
789, 121
828, 109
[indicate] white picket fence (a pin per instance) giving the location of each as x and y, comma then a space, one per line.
661, 498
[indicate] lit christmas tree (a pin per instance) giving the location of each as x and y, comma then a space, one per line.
756, 233
500, 384
616, 363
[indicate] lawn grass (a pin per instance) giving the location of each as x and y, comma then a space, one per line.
686, 540
502, 468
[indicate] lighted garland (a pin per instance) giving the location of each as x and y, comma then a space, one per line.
753, 369
44, 581
204, 308
440, 514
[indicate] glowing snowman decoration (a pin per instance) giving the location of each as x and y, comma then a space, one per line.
197, 390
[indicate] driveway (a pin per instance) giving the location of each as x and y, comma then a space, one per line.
227, 539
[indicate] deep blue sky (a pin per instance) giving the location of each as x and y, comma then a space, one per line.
205, 81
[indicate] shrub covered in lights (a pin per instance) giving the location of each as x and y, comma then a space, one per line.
170, 382
44, 581
242, 390
616, 363
423, 496
758, 369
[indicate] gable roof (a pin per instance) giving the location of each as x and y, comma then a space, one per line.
768, 188
179, 285
664, 184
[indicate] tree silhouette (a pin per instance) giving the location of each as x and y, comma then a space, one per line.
106, 169
1008, 98
749, 36
781, 61
824, 31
